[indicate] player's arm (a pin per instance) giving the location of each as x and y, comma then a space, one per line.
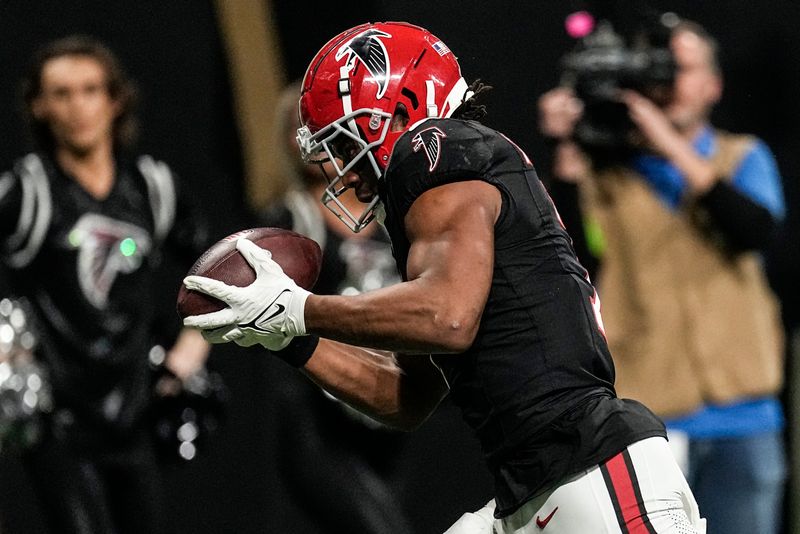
437, 310
398, 390
450, 265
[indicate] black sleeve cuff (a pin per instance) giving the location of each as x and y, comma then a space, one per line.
299, 350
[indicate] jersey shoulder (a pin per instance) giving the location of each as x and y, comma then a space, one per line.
442, 147
433, 153
26, 209
161, 191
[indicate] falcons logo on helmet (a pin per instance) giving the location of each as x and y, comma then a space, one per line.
430, 140
367, 47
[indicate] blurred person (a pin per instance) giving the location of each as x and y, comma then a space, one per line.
690, 318
493, 307
321, 439
84, 222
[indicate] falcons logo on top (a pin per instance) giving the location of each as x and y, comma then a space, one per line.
367, 47
430, 140
100, 256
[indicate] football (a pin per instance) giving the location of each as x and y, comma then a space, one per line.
299, 257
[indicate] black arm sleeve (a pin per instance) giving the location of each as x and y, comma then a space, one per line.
745, 224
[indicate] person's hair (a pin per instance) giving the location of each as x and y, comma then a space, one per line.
713, 46
120, 88
471, 109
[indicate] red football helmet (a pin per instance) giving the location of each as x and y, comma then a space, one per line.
353, 87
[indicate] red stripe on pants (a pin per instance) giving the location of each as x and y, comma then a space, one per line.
626, 496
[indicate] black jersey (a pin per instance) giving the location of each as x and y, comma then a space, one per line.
87, 267
537, 383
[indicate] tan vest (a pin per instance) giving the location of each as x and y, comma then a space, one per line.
687, 321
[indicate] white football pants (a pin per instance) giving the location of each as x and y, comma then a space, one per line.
639, 491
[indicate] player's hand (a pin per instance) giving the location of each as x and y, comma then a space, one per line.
270, 311
247, 337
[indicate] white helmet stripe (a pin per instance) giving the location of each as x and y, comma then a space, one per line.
344, 76
347, 104
457, 96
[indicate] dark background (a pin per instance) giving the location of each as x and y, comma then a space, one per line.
174, 51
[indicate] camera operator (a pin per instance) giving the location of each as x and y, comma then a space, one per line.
685, 212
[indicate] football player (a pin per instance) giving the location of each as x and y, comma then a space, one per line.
494, 307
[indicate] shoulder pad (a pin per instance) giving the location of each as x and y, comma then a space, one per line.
161, 192
442, 146
432, 153
34, 214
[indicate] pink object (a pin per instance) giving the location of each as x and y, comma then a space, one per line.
579, 24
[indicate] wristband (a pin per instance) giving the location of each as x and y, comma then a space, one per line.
299, 350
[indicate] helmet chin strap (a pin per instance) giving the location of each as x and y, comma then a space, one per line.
430, 99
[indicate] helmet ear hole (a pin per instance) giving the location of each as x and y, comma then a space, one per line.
400, 118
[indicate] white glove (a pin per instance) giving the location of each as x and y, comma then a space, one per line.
245, 337
270, 311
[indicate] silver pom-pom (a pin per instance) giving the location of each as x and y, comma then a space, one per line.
24, 388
